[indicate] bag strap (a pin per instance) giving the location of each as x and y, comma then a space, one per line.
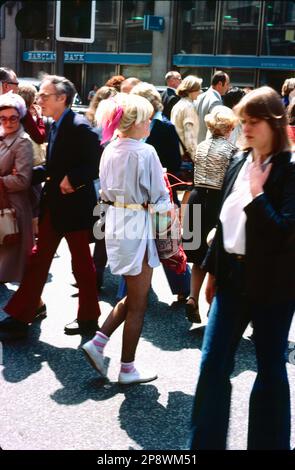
180, 182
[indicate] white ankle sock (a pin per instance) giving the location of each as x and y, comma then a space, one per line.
99, 341
127, 367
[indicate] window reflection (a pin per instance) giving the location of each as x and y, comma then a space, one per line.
138, 71
241, 77
203, 72
196, 30
99, 74
279, 28
106, 27
135, 38
239, 30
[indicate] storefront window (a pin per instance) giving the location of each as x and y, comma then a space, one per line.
106, 27
138, 71
239, 27
279, 29
134, 37
275, 78
196, 27
241, 77
98, 74
202, 72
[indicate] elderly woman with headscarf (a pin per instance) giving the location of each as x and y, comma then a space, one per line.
16, 161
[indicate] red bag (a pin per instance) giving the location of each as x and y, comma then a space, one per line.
168, 240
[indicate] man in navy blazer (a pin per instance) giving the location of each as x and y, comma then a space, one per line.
66, 210
169, 97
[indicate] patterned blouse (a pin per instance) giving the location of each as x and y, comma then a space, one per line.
211, 161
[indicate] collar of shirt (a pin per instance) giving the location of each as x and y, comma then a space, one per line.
10, 138
249, 159
59, 121
158, 115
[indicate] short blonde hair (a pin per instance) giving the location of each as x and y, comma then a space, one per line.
136, 109
148, 91
221, 120
189, 84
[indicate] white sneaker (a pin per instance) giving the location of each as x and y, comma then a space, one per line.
136, 377
95, 358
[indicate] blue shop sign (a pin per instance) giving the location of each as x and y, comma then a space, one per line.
89, 57
50, 56
153, 23
232, 61
39, 56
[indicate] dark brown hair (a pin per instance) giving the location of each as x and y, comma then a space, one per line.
265, 103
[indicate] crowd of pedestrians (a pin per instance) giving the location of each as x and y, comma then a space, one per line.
231, 152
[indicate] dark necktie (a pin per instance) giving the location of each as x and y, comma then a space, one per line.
52, 136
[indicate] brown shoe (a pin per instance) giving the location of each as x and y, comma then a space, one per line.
192, 311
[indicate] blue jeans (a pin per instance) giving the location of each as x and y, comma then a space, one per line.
269, 408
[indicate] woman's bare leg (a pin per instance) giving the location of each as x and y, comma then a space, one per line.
137, 292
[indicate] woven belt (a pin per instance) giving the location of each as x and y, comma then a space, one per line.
134, 207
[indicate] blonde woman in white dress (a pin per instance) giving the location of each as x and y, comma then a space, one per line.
131, 177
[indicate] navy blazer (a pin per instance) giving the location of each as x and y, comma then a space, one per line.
169, 99
75, 153
164, 138
270, 234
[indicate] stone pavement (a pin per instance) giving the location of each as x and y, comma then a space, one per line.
52, 399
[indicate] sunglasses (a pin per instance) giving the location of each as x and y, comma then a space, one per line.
11, 119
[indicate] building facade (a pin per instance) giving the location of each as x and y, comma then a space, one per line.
253, 40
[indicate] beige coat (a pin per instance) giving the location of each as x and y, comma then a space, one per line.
16, 152
184, 117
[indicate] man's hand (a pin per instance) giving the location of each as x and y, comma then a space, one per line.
258, 177
66, 187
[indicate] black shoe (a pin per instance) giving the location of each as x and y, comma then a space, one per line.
14, 328
41, 313
192, 311
82, 327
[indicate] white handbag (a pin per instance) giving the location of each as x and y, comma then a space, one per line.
9, 231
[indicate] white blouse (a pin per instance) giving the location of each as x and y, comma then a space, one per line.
131, 173
232, 215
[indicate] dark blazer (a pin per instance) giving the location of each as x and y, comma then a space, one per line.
75, 153
169, 99
270, 235
164, 138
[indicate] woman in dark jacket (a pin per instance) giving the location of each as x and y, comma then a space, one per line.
251, 278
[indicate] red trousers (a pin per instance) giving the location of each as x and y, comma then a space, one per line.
26, 300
